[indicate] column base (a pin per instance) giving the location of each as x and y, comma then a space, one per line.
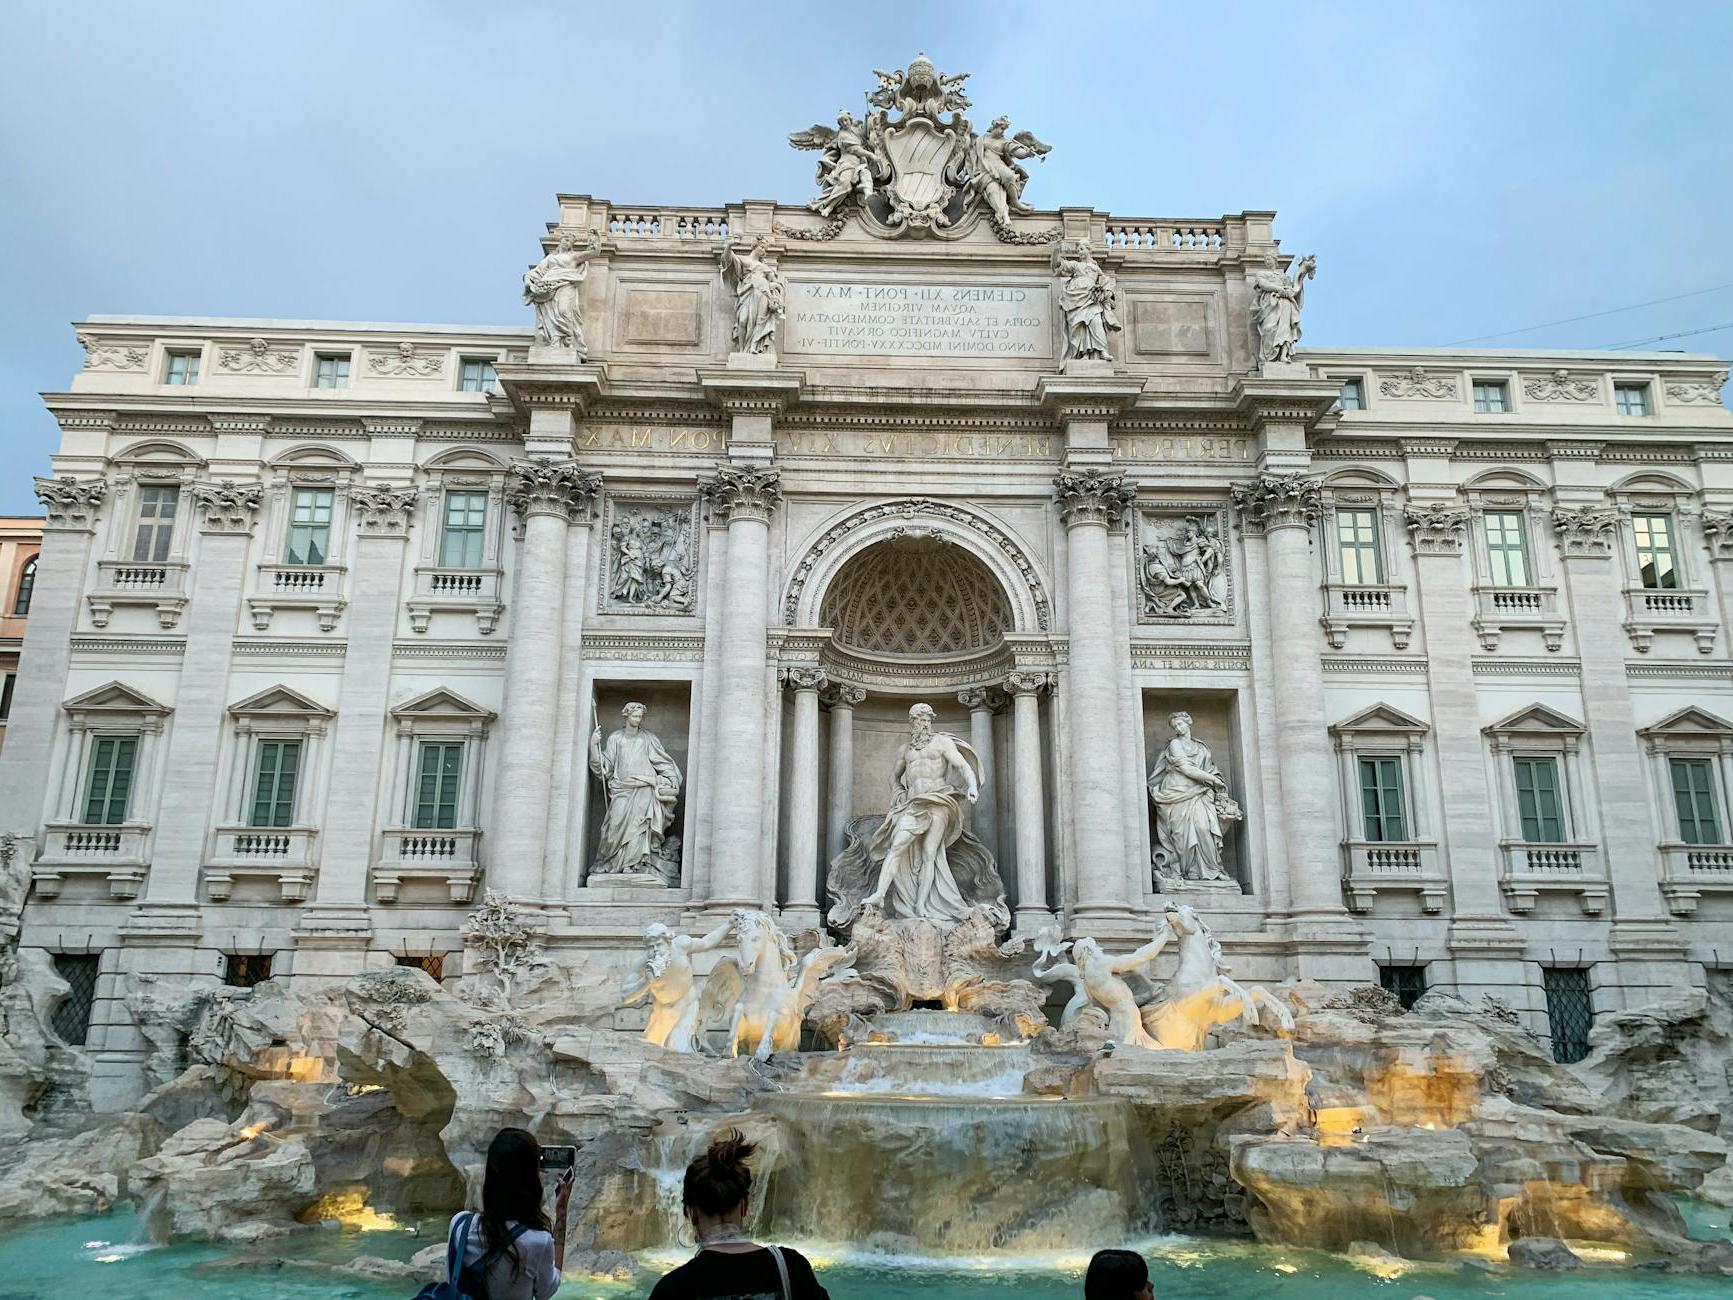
1112, 922
1653, 961
1031, 921
1325, 946
1487, 938
162, 923
801, 916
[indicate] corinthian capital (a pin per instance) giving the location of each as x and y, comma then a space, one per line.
553, 487
1092, 496
383, 510
1585, 531
1278, 501
1436, 529
805, 678
739, 493
1718, 532
71, 502
227, 506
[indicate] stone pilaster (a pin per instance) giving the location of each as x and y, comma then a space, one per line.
549, 495
1088, 501
70, 506
337, 918
563, 865
747, 497
800, 906
1029, 799
839, 801
983, 702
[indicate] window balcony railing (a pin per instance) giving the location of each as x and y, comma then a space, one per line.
463, 591
315, 587
284, 857
1385, 605
1688, 871
1394, 866
118, 854
1649, 610
446, 859
161, 586
1501, 609
1534, 869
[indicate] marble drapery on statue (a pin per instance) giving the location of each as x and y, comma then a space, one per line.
1277, 300
1191, 802
665, 976
643, 785
760, 295
920, 862
554, 287
1089, 297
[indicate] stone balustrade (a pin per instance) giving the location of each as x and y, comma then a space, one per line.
1384, 605
475, 591
1530, 870
448, 859
1503, 609
316, 587
159, 585
1396, 866
1165, 236
119, 854
1649, 610
284, 856
681, 224
1688, 871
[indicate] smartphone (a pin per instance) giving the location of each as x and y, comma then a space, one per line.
559, 1159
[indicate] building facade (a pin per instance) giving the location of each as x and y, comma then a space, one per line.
326, 614
20, 541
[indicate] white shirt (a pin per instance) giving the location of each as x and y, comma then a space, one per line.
536, 1277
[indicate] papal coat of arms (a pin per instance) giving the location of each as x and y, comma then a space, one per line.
915, 163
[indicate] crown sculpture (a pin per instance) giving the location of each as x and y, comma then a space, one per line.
916, 163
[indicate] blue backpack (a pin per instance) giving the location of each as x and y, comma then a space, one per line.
465, 1281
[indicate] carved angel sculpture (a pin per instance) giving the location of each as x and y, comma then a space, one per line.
993, 171
849, 160
760, 295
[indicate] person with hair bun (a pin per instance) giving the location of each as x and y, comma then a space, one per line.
729, 1265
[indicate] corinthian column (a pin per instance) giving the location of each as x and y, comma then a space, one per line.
549, 495
839, 803
747, 497
982, 702
800, 907
1088, 501
1283, 509
1030, 806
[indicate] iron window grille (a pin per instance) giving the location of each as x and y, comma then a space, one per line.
432, 962
71, 1019
1408, 983
243, 970
1570, 1011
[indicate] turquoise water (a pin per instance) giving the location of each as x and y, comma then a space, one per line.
96, 1258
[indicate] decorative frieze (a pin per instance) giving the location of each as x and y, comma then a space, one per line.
106, 356
1182, 566
1706, 392
1092, 496
227, 506
257, 358
1436, 529
382, 510
1191, 656
649, 649
1416, 383
553, 487
736, 492
1278, 501
1560, 386
1585, 531
71, 503
405, 363
652, 557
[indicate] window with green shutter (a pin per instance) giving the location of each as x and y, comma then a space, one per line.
1381, 799
460, 542
1694, 797
1357, 545
436, 784
1538, 804
1657, 562
274, 786
309, 539
1507, 548
112, 760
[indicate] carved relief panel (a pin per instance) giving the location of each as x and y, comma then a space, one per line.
1184, 574
650, 561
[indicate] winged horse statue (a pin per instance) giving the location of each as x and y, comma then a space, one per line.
765, 993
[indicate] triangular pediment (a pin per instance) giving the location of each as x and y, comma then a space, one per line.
440, 703
1380, 718
1536, 719
1689, 721
280, 702
114, 697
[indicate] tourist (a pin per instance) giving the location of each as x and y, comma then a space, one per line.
513, 1252
729, 1265
1117, 1275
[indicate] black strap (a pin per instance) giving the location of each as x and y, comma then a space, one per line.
486, 1262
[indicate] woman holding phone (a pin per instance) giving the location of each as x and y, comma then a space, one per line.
511, 1247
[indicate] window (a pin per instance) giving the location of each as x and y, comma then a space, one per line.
1538, 805
460, 542
71, 1020
1570, 1011
26, 587
156, 524
1353, 395
1656, 562
1357, 543
1381, 799
433, 963
112, 760
242, 970
183, 368
274, 786
1694, 798
1507, 548
1408, 983
309, 527
436, 784
1631, 399
1491, 397
475, 375
331, 370
6, 696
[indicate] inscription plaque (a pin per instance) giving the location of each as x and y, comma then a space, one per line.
883, 319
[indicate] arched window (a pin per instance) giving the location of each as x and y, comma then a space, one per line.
26, 584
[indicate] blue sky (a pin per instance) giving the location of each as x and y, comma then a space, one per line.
1459, 169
